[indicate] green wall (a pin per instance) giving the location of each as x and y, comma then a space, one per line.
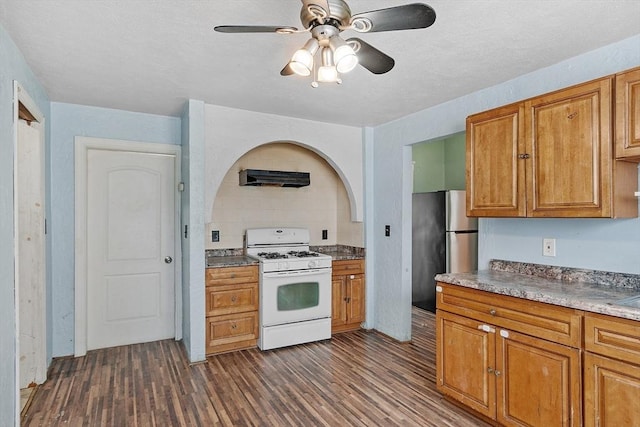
440, 164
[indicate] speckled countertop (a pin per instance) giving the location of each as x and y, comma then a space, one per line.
228, 258
236, 257
340, 252
588, 290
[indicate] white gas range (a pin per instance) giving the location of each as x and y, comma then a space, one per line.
295, 287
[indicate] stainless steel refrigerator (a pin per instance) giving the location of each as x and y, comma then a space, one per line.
444, 239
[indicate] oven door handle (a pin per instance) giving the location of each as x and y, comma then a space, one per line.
297, 273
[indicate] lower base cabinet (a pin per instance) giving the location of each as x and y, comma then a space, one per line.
347, 295
489, 358
611, 371
231, 321
512, 378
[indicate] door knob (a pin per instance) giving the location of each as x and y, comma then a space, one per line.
168, 259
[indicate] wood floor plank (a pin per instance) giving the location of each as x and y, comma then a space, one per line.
357, 378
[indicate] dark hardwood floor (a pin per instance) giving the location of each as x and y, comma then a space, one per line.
355, 379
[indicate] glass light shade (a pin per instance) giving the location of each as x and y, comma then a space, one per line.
327, 74
343, 55
302, 60
345, 58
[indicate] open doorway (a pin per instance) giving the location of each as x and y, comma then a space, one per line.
30, 252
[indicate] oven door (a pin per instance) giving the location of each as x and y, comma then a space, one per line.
295, 296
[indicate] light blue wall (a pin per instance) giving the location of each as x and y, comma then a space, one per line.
12, 67
67, 122
193, 261
602, 244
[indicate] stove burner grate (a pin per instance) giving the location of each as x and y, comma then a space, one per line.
303, 254
272, 255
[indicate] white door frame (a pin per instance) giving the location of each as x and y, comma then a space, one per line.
20, 96
82, 146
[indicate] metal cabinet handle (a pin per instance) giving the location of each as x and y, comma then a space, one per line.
168, 259
234, 298
490, 370
523, 156
498, 373
492, 312
234, 326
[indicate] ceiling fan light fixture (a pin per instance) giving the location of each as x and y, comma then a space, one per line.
302, 60
343, 55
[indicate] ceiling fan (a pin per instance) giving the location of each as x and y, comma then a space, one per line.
325, 20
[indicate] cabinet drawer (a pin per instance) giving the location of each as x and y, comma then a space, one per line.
229, 299
231, 275
231, 331
613, 337
351, 266
549, 322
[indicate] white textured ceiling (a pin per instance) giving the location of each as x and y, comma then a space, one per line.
152, 55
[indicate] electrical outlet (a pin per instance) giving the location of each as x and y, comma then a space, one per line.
549, 247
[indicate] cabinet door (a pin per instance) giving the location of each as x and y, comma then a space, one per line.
538, 382
568, 136
465, 361
628, 114
338, 301
355, 298
495, 173
611, 392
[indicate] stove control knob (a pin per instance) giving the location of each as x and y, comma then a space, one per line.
313, 264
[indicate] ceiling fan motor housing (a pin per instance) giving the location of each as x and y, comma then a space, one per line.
338, 11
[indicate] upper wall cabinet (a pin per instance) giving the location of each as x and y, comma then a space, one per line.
628, 115
549, 156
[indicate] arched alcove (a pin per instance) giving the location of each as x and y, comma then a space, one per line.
326, 204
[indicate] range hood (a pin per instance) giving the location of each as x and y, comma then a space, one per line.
259, 177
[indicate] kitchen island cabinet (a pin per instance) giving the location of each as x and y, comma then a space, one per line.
516, 362
549, 156
611, 371
231, 308
627, 113
347, 295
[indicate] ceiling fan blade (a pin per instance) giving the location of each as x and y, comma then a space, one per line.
371, 58
253, 29
286, 71
407, 17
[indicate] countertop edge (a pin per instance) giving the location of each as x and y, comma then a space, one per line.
596, 299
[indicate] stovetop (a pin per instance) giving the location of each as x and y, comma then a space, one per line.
283, 249
287, 255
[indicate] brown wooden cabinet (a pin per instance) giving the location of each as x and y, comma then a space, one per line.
611, 371
348, 295
627, 113
231, 308
549, 156
514, 361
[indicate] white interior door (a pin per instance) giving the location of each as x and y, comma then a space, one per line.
130, 247
30, 277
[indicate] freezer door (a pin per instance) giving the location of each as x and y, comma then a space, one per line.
457, 212
462, 252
